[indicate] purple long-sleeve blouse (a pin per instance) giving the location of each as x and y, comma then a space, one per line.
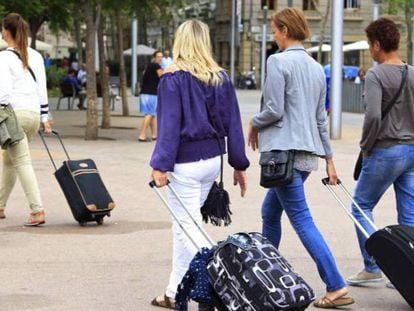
185, 133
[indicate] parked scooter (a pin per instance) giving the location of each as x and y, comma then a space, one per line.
247, 80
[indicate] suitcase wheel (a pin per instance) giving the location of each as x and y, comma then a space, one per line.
82, 223
100, 221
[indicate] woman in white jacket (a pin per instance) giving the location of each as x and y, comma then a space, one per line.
23, 86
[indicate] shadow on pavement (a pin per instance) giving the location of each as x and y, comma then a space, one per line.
112, 228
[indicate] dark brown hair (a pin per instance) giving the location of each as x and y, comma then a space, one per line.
295, 22
155, 53
385, 31
19, 30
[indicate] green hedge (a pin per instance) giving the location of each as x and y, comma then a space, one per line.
54, 76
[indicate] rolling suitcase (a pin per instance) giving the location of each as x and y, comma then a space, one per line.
391, 247
248, 273
82, 186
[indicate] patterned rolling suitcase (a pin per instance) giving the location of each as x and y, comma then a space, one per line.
83, 187
391, 247
248, 273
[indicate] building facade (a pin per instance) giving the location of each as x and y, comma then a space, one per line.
249, 20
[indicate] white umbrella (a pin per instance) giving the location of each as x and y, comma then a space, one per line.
141, 50
355, 46
40, 45
325, 48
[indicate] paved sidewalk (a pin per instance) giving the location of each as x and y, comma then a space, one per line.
123, 264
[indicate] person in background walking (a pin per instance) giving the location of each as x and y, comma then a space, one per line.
387, 144
293, 117
187, 152
26, 92
166, 60
360, 78
148, 96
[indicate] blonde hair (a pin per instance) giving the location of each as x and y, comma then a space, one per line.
192, 52
295, 22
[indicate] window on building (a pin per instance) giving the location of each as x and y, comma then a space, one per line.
271, 4
352, 4
310, 4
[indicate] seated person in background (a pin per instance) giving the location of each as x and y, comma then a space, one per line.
81, 76
70, 78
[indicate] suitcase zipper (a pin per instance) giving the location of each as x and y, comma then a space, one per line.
402, 235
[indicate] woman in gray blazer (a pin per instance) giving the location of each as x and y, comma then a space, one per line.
293, 117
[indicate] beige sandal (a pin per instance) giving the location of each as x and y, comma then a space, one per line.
326, 303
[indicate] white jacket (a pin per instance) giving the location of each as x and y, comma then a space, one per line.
17, 86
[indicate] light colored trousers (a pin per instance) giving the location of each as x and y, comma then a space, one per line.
192, 181
17, 162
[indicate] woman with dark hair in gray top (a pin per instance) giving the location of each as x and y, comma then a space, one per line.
387, 143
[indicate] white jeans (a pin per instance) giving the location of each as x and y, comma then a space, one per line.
192, 181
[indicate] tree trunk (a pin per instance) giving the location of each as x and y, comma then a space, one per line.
91, 132
114, 39
122, 73
78, 36
323, 28
34, 26
106, 109
409, 23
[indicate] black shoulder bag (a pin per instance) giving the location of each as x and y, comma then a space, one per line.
358, 164
276, 166
216, 207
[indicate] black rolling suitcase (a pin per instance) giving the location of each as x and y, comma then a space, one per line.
391, 247
248, 273
83, 187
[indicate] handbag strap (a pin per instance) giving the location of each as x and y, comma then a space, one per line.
394, 100
211, 120
30, 69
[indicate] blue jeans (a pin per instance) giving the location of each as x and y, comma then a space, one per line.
291, 199
382, 168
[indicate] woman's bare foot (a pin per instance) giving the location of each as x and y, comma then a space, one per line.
337, 294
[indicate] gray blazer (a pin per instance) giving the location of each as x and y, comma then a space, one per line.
292, 114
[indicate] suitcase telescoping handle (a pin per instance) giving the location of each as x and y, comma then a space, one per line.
174, 215
325, 181
42, 136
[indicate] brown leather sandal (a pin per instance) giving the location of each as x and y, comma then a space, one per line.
167, 303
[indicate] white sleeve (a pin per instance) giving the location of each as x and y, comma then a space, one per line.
40, 73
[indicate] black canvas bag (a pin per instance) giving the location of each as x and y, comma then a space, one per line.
276, 168
393, 250
85, 192
391, 247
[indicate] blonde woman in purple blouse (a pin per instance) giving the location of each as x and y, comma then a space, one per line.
187, 152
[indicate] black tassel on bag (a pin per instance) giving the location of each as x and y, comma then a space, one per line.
216, 207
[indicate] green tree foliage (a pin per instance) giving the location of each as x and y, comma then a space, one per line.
36, 12
394, 7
